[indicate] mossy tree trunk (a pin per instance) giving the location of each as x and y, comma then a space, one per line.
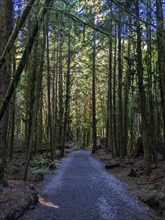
6, 18
161, 60
143, 110
126, 101
37, 94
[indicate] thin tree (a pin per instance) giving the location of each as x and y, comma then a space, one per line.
115, 143
94, 133
67, 97
120, 73
48, 91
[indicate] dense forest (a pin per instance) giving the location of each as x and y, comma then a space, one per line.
86, 71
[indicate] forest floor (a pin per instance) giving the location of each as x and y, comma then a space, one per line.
149, 189
19, 196
81, 189
16, 198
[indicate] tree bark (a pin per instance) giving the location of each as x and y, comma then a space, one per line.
161, 60
6, 17
126, 101
115, 145
12, 136
61, 110
120, 112
110, 110
35, 108
48, 91
66, 98
94, 133
144, 120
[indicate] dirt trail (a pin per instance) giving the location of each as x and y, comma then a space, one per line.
81, 189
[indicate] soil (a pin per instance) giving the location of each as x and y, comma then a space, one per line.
16, 198
149, 189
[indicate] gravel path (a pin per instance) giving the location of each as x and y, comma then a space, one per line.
81, 189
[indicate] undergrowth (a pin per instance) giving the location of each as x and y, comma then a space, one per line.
43, 164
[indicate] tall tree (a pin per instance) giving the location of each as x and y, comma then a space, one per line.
49, 91
37, 94
115, 143
143, 110
94, 134
161, 59
110, 143
126, 99
60, 93
6, 18
120, 73
67, 95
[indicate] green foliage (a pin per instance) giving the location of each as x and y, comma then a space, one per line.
56, 162
78, 19
42, 160
41, 164
43, 170
78, 145
153, 186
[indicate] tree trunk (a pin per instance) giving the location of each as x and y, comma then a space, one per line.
60, 99
56, 104
66, 99
48, 92
35, 108
94, 133
126, 101
110, 111
151, 106
120, 112
144, 120
6, 17
30, 96
161, 60
13, 114
115, 145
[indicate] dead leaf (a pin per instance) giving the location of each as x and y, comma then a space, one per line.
43, 202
